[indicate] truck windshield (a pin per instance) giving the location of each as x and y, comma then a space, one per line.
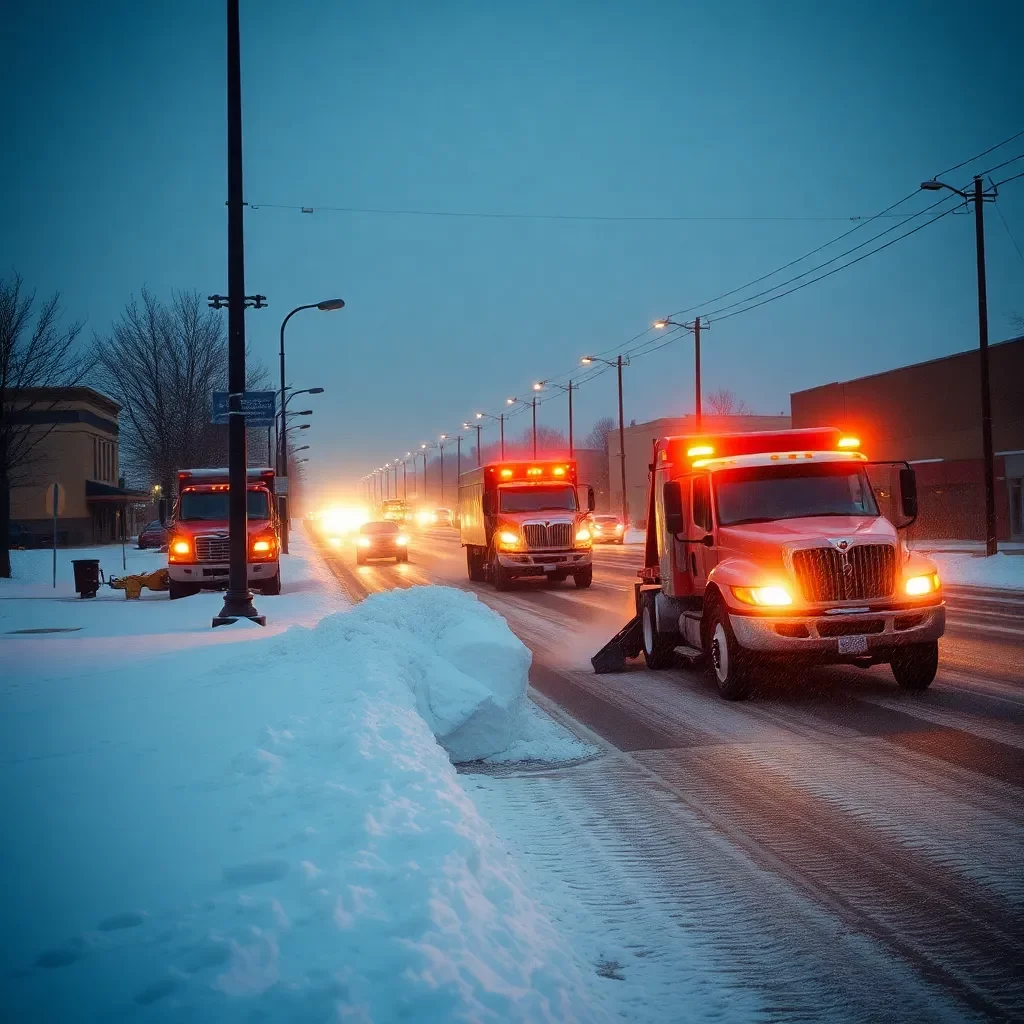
212, 506
537, 499
767, 493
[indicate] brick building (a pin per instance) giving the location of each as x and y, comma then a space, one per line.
930, 414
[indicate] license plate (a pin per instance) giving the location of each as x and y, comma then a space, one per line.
853, 645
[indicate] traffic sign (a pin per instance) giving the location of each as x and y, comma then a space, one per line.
55, 507
258, 407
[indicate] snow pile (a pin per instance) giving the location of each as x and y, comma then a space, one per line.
1000, 571
279, 837
467, 671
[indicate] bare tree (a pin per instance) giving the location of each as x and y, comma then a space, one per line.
162, 362
43, 355
598, 436
724, 403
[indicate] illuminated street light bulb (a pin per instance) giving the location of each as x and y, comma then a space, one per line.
661, 324
510, 401
539, 386
479, 415
587, 360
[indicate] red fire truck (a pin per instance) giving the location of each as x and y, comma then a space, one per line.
775, 547
197, 546
523, 519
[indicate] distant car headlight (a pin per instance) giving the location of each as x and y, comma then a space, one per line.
765, 597
619, 528
596, 528
364, 542
919, 586
508, 540
335, 542
401, 539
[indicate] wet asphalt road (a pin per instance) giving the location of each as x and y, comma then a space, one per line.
833, 848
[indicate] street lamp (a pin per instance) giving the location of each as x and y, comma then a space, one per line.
501, 423
424, 448
569, 389
326, 305
533, 403
979, 197
694, 329
476, 427
618, 364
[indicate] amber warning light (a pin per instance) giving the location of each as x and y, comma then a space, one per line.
849, 442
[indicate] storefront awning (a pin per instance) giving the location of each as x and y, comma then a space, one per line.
107, 493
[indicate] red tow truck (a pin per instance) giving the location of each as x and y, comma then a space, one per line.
523, 519
773, 548
197, 546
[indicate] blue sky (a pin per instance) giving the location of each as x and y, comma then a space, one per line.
115, 179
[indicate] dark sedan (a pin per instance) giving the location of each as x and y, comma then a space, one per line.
381, 540
153, 536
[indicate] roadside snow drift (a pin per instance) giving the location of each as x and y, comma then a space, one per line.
279, 837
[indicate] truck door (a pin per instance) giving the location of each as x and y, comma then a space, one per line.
701, 559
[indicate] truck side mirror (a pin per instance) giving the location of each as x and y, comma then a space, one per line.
488, 503
161, 508
673, 497
590, 499
908, 493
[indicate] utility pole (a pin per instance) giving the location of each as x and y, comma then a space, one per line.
986, 394
622, 451
238, 599
405, 481
458, 460
479, 455
501, 424
570, 420
535, 426
696, 375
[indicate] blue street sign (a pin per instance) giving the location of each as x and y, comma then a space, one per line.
258, 408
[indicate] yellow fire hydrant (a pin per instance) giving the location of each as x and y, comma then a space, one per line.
132, 585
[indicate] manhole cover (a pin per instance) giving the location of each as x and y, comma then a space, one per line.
46, 629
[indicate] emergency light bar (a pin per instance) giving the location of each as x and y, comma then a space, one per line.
533, 472
202, 476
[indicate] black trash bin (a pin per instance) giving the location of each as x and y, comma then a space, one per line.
87, 576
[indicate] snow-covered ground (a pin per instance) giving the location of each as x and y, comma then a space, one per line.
245, 823
1001, 571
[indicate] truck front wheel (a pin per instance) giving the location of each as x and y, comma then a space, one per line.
659, 649
177, 590
502, 577
726, 665
915, 665
584, 577
273, 585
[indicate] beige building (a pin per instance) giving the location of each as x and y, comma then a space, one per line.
77, 449
639, 438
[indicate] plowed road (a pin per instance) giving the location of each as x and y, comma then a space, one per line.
832, 849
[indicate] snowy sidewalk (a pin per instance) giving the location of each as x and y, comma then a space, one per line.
218, 825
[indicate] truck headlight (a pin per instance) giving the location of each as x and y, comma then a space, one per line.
583, 536
507, 540
919, 586
764, 597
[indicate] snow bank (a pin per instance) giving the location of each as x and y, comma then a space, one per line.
1001, 571
277, 837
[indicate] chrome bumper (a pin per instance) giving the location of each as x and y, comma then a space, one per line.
761, 633
538, 563
213, 575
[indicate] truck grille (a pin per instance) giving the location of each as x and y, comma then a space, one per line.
867, 571
212, 549
557, 535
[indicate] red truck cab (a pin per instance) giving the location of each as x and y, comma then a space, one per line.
776, 547
197, 548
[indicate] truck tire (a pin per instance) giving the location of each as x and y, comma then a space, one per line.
659, 649
584, 578
475, 565
177, 590
727, 667
552, 579
501, 576
915, 665
273, 585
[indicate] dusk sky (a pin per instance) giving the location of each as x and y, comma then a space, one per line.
768, 125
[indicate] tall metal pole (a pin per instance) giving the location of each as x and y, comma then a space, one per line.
479, 457
238, 599
501, 420
535, 426
570, 420
991, 545
622, 451
696, 374
405, 481
458, 461
441, 449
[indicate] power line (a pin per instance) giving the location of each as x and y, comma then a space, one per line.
835, 270
1013, 178
978, 156
1012, 160
1008, 231
827, 263
484, 215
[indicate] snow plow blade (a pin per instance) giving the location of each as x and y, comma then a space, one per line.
625, 644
